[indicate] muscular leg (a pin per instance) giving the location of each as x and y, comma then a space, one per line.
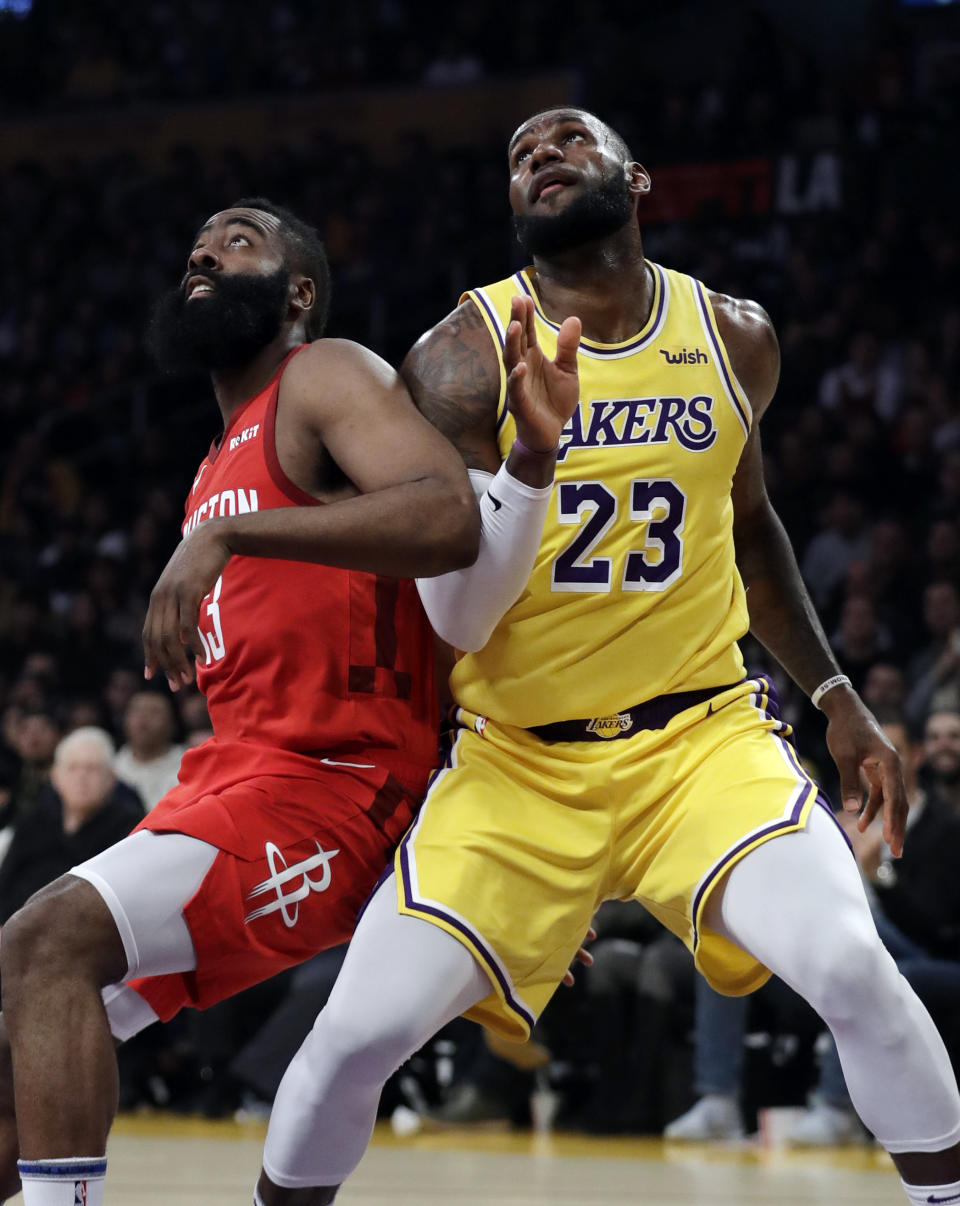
403, 979
797, 904
9, 1146
57, 953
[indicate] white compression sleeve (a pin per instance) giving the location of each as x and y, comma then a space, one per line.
797, 904
465, 606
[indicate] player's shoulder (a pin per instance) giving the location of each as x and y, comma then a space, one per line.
463, 327
751, 342
457, 356
328, 374
340, 357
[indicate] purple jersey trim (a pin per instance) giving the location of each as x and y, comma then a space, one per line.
786, 824
599, 349
721, 360
473, 938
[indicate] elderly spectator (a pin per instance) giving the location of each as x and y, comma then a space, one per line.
150, 761
81, 811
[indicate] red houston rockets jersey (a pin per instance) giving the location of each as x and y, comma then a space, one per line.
300, 657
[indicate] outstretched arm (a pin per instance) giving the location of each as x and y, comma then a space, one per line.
454, 376
782, 615
411, 510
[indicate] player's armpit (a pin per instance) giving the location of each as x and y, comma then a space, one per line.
454, 374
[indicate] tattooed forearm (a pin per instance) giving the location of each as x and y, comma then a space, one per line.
453, 373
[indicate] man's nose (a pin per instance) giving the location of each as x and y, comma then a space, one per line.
546, 151
203, 257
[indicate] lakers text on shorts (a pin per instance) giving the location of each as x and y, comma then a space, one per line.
520, 840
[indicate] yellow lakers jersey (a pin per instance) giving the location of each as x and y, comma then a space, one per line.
635, 590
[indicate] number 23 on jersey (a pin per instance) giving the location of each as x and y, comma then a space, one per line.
658, 506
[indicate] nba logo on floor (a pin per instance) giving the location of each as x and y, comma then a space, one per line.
79, 1193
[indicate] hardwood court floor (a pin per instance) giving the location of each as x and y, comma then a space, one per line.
158, 1160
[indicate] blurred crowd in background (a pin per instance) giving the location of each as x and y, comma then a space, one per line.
862, 443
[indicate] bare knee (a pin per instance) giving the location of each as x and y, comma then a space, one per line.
64, 931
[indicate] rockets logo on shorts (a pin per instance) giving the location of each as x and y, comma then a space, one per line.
282, 876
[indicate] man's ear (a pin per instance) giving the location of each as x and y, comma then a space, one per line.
303, 293
638, 179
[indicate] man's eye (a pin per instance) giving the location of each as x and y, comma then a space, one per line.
573, 134
238, 238
520, 156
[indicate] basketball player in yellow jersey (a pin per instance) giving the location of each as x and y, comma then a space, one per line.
610, 742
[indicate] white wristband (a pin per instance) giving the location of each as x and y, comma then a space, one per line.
838, 680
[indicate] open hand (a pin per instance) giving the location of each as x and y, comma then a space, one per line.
542, 394
171, 624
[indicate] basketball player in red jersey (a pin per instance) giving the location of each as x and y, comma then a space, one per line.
318, 678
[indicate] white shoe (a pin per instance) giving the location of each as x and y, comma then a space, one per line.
826, 1126
715, 1116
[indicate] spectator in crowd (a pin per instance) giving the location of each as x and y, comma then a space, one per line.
82, 810
934, 671
860, 639
35, 733
941, 753
150, 760
884, 687
843, 539
194, 718
862, 384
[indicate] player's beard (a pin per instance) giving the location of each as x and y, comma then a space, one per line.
591, 216
223, 330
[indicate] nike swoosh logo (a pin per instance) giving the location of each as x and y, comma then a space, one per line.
497, 504
937, 1201
358, 765
196, 480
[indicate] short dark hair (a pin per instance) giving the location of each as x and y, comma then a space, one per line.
305, 253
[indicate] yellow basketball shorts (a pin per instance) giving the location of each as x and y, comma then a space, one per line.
519, 840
